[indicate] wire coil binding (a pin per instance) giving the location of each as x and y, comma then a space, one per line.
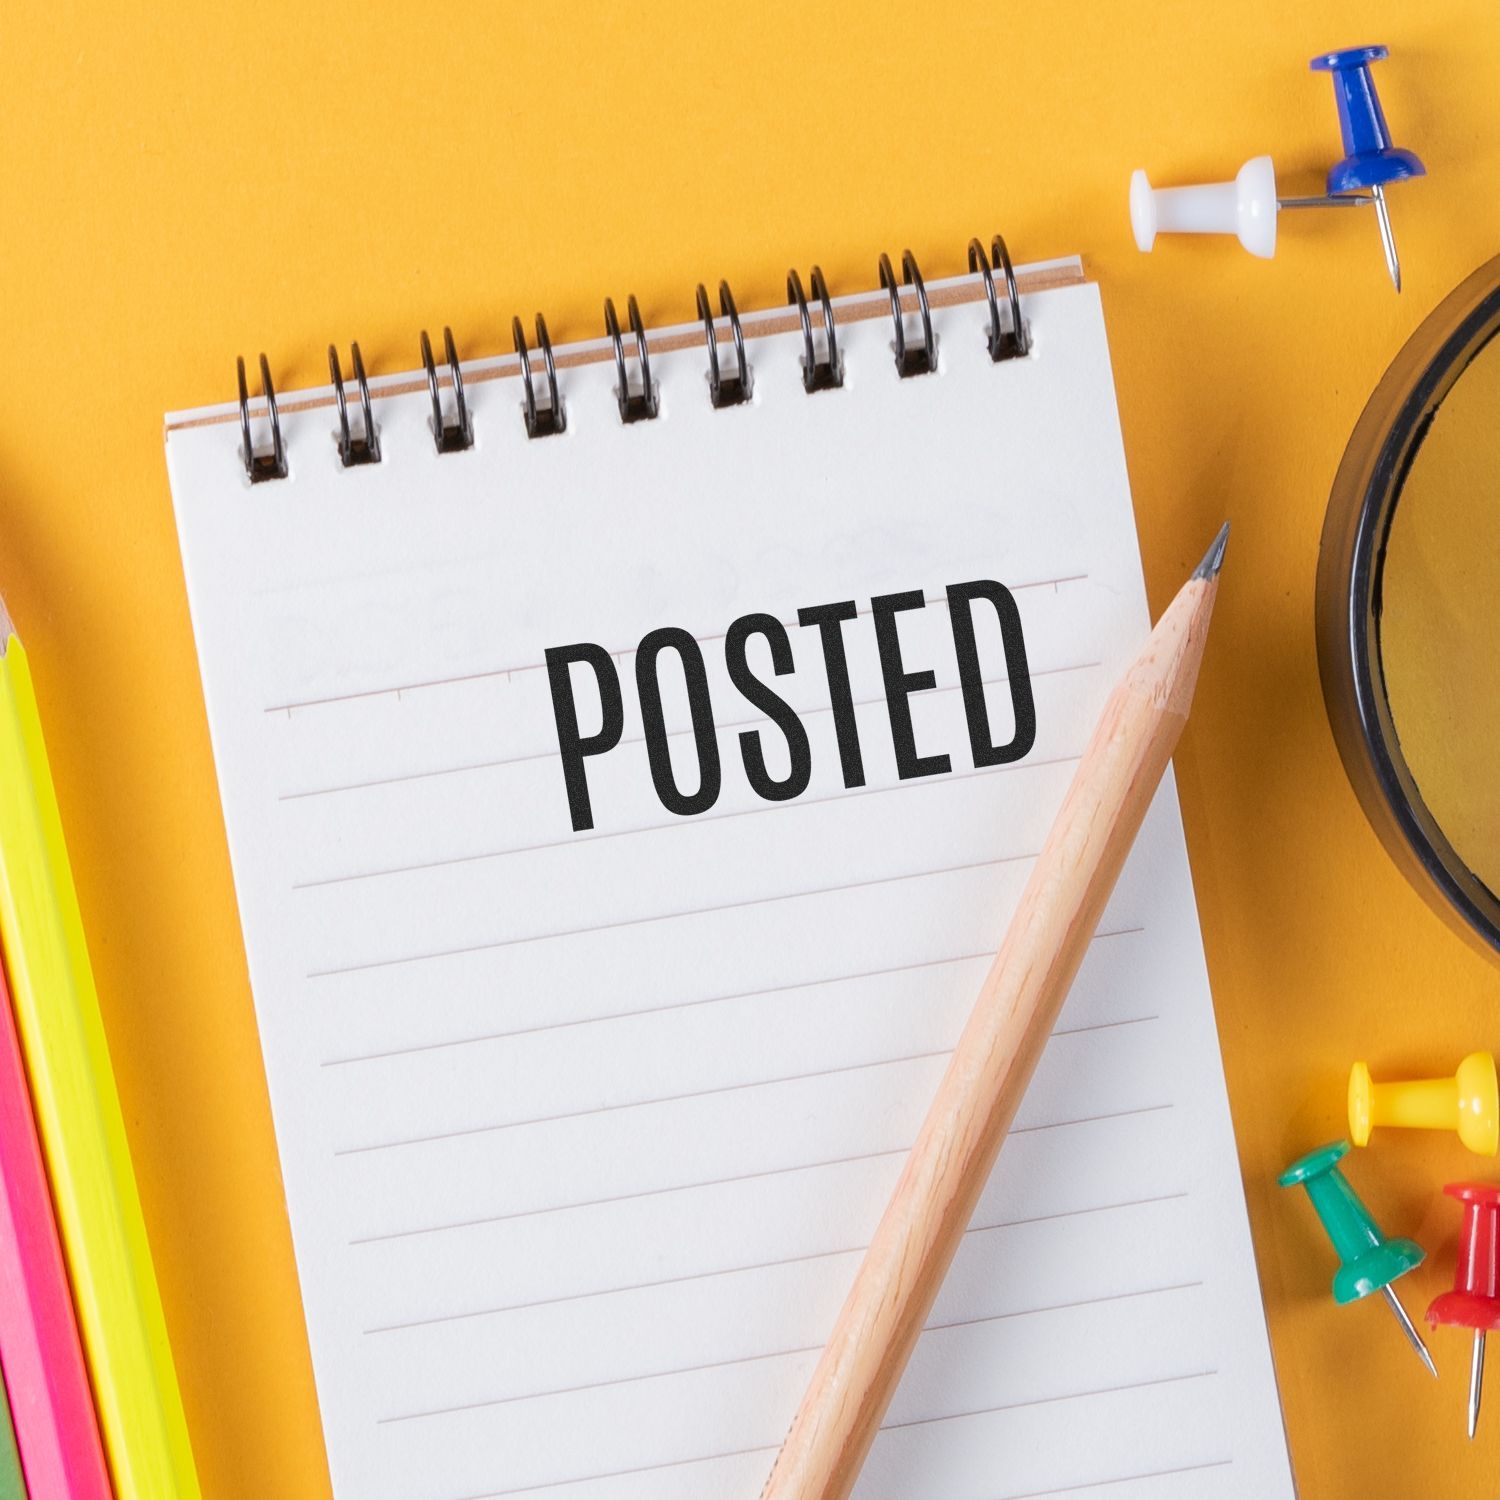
364, 449
635, 406
919, 359
1005, 343
259, 466
730, 381
724, 390
827, 373
541, 421
458, 435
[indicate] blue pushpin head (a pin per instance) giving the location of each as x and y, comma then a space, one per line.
1370, 160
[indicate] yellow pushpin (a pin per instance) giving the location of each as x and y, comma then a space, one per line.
1468, 1102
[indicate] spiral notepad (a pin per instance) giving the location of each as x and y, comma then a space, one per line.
631, 753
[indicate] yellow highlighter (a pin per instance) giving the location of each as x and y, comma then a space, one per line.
78, 1115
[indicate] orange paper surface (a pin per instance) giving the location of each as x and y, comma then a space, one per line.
182, 184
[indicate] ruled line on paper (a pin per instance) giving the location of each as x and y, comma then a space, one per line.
656, 1010
1113, 1114
640, 739
681, 1187
706, 1458
608, 1109
1099, 1484
433, 682
760, 1358
705, 1000
1108, 1390
766, 1265
667, 916
1107, 1025
654, 1101
843, 794
661, 1192
677, 1463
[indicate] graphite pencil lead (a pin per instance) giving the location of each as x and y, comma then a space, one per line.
1213, 559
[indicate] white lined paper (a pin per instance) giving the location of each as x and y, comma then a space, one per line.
583, 1133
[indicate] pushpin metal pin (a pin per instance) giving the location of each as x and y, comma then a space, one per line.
1370, 160
1245, 207
1413, 1338
1468, 1102
1369, 1262
1474, 1301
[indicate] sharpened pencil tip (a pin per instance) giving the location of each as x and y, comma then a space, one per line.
1213, 559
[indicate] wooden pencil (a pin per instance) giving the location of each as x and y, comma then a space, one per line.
1017, 1007
78, 1115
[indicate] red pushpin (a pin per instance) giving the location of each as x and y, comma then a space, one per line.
1474, 1301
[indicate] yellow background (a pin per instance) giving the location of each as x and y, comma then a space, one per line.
179, 184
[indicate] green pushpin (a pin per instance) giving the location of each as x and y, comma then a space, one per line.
1371, 1262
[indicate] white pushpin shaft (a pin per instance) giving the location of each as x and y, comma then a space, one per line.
1245, 208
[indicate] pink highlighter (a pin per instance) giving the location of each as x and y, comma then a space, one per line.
46, 1379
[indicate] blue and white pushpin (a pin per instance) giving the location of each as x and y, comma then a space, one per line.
1248, 206
1370, 160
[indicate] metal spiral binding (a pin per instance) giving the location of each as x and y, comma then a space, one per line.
1005, 343
635, 406
826, 374
364, 449
259, 466
729, 383
920, 359
458, 435
546, 420
724, 390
